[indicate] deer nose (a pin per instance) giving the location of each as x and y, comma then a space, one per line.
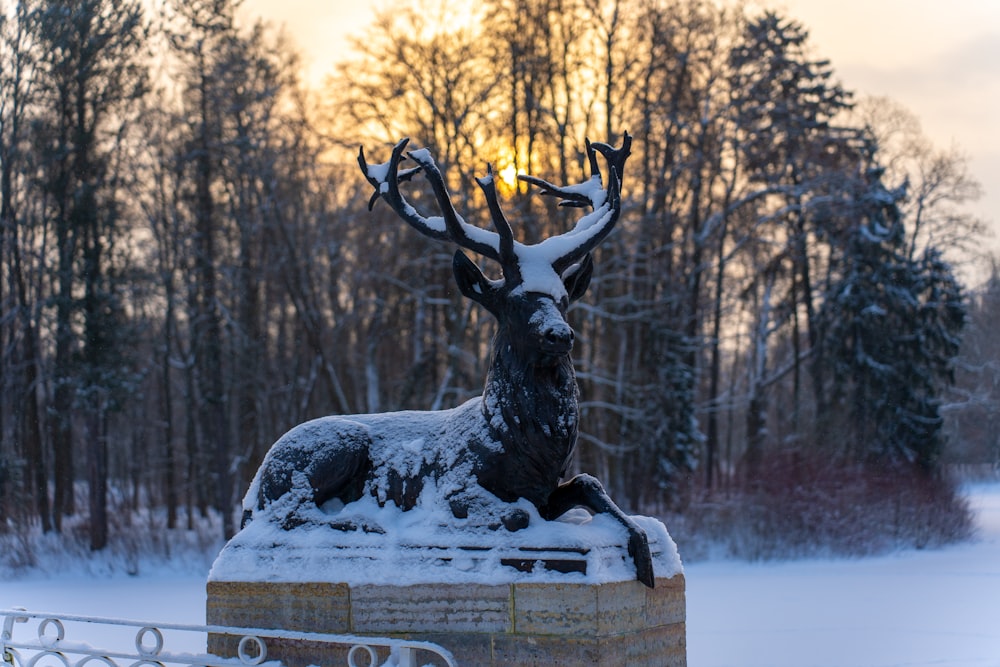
559, 337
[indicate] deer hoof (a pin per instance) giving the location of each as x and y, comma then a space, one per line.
350, 526
292, 521
459, 509
638, 549
516, 520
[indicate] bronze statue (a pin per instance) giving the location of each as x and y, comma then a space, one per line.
517, 439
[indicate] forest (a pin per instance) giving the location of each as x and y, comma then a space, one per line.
189, 266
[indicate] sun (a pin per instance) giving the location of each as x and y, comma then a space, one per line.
508, 176
507, 169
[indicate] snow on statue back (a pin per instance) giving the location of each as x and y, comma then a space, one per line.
478, 461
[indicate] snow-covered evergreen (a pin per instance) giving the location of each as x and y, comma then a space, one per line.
892, 329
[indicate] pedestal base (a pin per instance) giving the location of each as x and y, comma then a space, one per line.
515, 624
559, 593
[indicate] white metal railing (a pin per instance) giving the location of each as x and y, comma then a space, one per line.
49, 644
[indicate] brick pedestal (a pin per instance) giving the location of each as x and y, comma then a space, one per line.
515, 624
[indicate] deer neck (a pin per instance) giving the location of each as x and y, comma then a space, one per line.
531, 409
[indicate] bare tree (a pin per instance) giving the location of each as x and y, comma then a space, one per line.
20, 356
90, 77
939, 184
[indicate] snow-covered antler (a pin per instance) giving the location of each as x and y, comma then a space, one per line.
562, 251
447, 227
593, 228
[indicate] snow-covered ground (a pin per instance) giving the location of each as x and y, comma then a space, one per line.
913, 608
910, 609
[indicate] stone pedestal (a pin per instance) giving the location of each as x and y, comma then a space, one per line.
559, 593
513, 624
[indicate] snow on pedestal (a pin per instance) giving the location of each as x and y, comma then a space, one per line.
362, 543
557, 592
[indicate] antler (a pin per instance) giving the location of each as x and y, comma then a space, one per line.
508, 258
594, 227
561, 252
450, 226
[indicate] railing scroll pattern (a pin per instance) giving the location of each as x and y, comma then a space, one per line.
50, 646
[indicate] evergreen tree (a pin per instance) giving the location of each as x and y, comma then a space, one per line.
891, 330
785, 103
973, 416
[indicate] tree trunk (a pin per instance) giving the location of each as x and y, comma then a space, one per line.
208, 330
169, 479
715, 370
31, 421
62, 394
97, 477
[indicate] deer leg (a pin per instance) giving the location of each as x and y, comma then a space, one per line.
586, 491
486, 509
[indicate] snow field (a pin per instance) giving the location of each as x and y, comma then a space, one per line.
909, 609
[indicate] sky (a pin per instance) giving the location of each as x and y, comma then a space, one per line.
940, 60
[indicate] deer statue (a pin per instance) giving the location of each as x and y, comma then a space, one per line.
517, 439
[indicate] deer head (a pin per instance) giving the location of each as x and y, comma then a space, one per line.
538, 281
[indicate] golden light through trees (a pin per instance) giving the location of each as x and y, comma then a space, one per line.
508, 169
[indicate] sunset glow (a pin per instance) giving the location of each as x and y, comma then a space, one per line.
508, 169
940, 61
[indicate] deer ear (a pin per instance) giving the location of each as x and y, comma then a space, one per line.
577, 277
471, 281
